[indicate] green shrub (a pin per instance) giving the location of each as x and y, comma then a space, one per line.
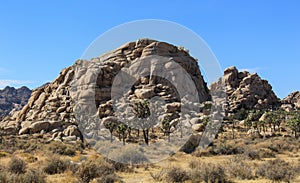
17, 166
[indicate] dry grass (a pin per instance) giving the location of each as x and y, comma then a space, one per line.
242, 158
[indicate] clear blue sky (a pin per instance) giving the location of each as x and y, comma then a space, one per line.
39, 38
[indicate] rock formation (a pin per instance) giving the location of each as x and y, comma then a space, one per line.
293, 99
248, 91
53, 107
13, 99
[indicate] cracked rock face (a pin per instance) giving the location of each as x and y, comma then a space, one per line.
51, 108
245, 90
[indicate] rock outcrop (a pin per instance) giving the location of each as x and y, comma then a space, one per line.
53, 107
248, 91
292, 99
13, 99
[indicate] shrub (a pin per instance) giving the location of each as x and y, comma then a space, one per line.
239, 168
207, 172
158, 176
32, 176
276, 170
176, 174
62, 149
252, 154
17, 166
111, 178
94, 169
202, 152
4, 176
226, 148
56, 166
120, 167
266, 153
129, 155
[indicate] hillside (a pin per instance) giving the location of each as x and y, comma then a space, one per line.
143, 113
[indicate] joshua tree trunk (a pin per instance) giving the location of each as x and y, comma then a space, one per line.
233, 130
146, 136
124, 138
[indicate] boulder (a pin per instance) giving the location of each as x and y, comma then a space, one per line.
198, 127
246, 90
72, 130
144, 93
39, 126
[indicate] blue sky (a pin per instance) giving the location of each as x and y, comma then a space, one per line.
38, 39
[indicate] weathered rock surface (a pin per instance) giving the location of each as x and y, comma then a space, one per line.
13, 99
293, 99
59, 107
248, 91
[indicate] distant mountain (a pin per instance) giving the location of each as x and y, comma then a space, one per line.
12, 98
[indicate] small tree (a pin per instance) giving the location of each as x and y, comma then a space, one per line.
253, 118
166, 127
111, 126
294, 123
275, 118
142, 111
121, 130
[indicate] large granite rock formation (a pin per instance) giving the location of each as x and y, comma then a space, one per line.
52, 107
13, 99
248, 91
293, 99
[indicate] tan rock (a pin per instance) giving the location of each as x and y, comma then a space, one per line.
144, 93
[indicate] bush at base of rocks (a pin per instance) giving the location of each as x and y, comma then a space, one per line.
62, 148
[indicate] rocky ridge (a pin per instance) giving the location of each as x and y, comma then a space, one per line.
248, 91
13, 99
52, 108
292, 99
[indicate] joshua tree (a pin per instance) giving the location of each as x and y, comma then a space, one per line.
294, 123
253, 118
142, 112
111, 126
166, 127
121, 130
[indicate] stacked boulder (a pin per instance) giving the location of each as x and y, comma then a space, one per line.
53, 108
